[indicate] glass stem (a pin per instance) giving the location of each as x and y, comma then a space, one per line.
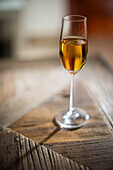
71, 108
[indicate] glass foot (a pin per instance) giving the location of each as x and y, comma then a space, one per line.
71, 119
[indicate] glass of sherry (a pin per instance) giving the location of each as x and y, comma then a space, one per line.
73, 56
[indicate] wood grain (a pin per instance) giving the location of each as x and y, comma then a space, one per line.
91, 144
101, 80
96, 153
23, 86
9, 150
38, 124
18, 152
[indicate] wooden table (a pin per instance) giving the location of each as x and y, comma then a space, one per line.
29, 138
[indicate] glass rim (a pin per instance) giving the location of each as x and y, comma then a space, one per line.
82, 18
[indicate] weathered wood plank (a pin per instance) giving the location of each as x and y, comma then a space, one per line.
9, 150
24, 157
38, 124
97, 154
101, 81
91, 145
61, 162
35, 155
30, 156
30, 85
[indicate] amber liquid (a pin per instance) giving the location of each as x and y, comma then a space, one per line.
73, 54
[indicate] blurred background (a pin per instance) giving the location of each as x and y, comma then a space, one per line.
29, 29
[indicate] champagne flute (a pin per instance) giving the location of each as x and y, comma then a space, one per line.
73, 55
